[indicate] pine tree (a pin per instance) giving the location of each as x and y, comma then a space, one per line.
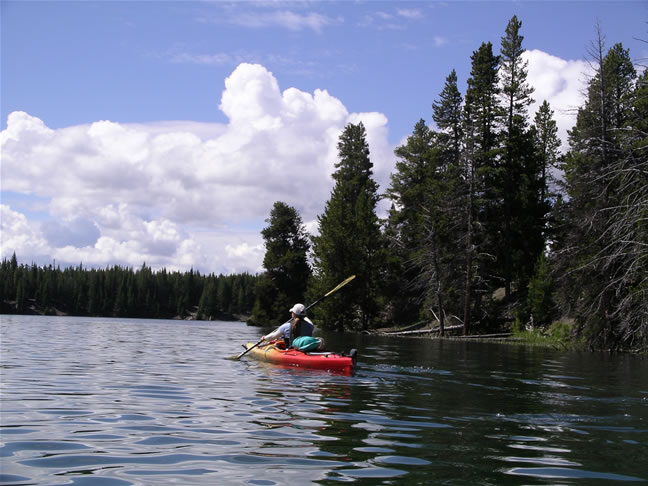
408, 191
426, 190
447, 114
602, 180
516, 91
540, 302
547, 145
287, 271
445, 209
481, 166
522, 209
207, 304
20, 295
350, 241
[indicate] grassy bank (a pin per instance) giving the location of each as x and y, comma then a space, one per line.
558, 335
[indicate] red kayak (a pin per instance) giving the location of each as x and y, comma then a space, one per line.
276, 353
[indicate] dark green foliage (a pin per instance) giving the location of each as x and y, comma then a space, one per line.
522, 205
287, 271
208, 304
406, 232
513, 73
545, 132
484, 188
350, 240
121, 292
481, 202
447, 114
603, 253
425, 220
540, 301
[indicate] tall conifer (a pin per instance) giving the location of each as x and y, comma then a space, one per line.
286, 268
482, 173
350, 241
604, 183
408, 191
522, 209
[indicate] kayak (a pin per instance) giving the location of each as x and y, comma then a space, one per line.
276, 353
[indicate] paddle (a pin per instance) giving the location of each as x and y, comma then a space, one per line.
246, 351
342, 284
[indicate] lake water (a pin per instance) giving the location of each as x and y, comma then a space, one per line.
112, 402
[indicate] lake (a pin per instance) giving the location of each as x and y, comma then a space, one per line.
117, 402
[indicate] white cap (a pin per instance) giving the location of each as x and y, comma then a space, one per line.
298, 309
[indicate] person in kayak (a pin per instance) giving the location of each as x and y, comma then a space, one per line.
297, 332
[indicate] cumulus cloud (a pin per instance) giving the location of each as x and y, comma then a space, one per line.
20, 236
561, 82
176, 194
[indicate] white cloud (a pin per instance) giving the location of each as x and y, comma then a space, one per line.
382, 21
205, 59
439, 40
561, 83
20, 236
410, 13
285, 19
175, 194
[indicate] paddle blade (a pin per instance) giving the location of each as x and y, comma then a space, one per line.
340, 285
239, 356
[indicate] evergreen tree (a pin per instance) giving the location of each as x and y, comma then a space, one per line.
516, 91
521, 210
20, 295
481, 166
540, 302
94, 293
445, 209
547, 145
602, 181
447, 114
408, 191
207, 305
426, 189
350, 241
286, 267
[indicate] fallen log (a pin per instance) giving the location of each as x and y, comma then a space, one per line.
422, 331
501, 335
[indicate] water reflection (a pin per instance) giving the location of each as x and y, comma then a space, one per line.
96, 401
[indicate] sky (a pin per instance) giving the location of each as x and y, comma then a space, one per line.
162, 132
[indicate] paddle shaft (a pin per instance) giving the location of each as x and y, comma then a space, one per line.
248, 350
342, 284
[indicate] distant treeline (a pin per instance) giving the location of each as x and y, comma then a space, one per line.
123, 292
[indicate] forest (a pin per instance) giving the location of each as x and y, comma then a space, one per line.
491, 227
123, 292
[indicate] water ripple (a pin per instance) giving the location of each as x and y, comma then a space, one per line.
128, 402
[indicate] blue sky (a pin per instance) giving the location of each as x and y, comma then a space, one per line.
164, 131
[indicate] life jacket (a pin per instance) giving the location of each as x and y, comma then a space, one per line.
303, 329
